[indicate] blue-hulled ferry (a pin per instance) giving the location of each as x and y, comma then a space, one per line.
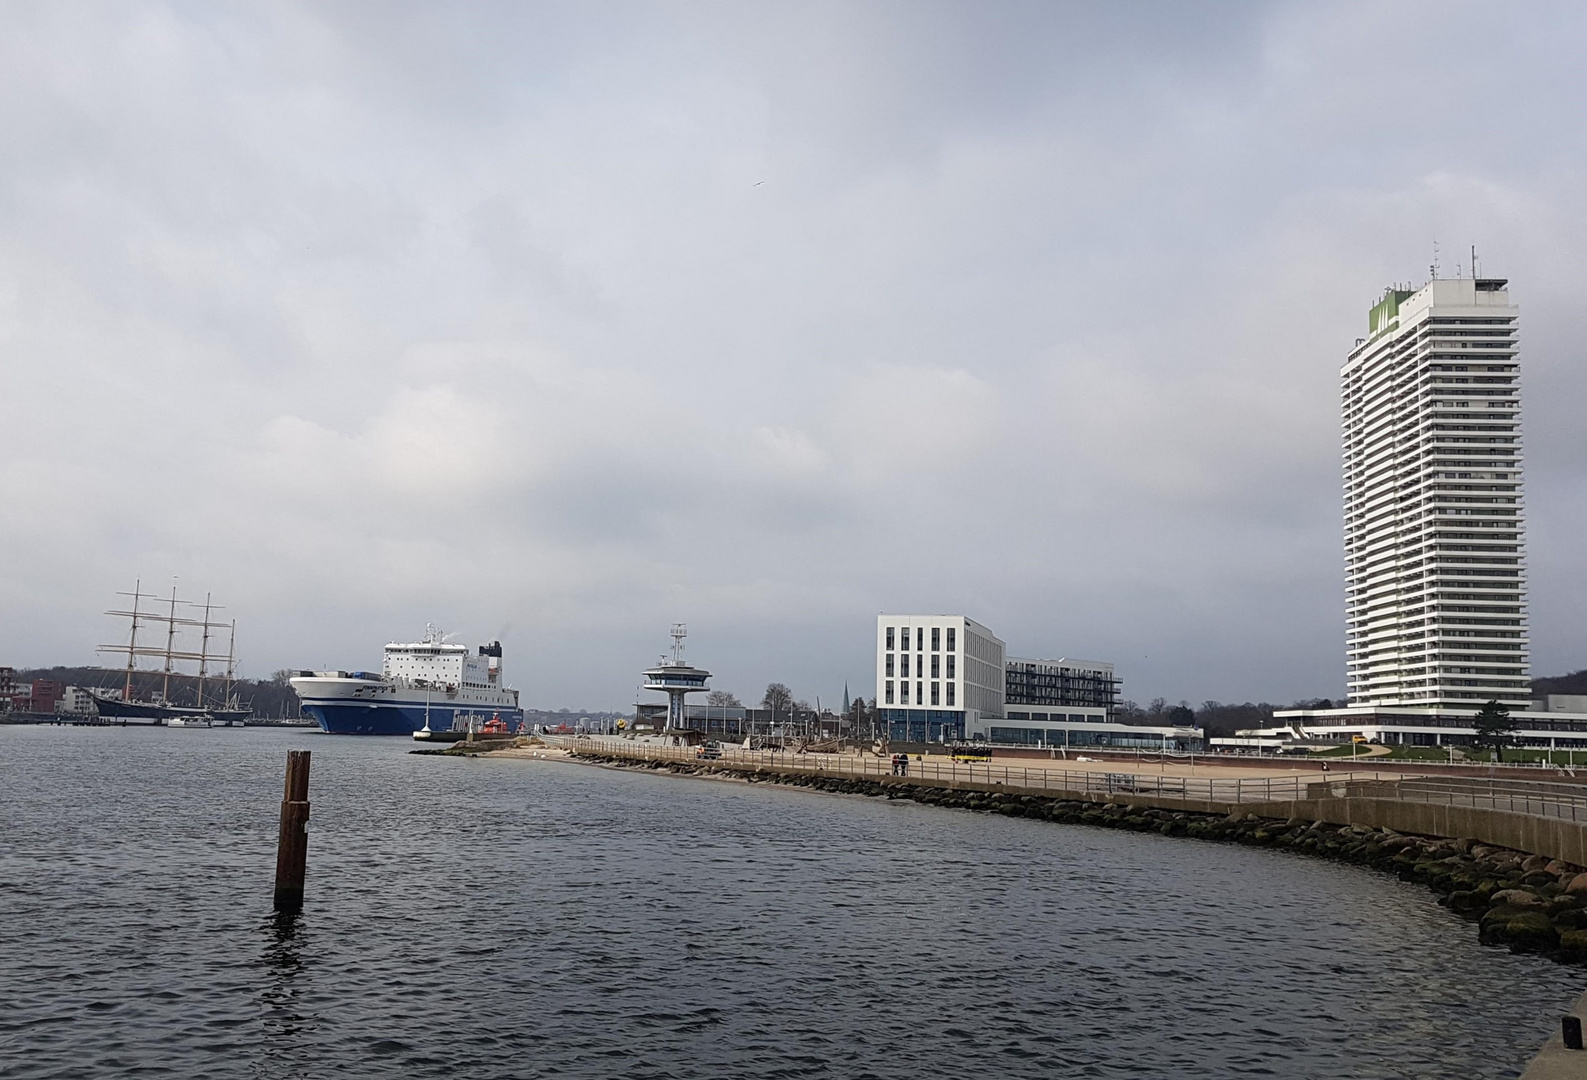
425, 684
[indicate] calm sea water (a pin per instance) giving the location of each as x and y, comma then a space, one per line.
525, 919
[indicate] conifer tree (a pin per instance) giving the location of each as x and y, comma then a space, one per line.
1495, 728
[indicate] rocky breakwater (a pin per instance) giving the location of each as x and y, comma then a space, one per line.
1526, 902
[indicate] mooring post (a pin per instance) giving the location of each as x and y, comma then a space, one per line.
292, 848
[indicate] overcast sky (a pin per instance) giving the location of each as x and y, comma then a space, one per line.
560, 323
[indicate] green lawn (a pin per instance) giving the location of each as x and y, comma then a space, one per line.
1472, 754
1431, 753
1334, 752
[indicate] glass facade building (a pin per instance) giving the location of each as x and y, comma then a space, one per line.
923, 725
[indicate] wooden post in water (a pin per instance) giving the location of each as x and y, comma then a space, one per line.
292, 848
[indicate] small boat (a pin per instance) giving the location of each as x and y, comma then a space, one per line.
464, 726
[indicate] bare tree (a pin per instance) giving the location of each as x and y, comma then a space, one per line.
779, 699
723, 699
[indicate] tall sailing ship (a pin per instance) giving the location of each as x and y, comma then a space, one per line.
208, 708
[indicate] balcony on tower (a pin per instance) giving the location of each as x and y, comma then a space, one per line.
677, 679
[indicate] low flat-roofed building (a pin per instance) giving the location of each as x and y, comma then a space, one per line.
77, 701
1423, 727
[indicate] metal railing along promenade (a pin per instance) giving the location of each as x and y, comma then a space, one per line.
1538, 798
1053, 782
1535, 798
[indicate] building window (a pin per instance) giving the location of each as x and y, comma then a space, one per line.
936, 693
936, 664
889, 638
903, 688
951, 634
920, 692
920, 639
950, 693
904, 659
889, 665
936, 639
889, 691
951, 665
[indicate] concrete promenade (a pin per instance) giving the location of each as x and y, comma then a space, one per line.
1537, 817
1554, 1062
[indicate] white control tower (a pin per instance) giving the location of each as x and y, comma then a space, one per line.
677, 679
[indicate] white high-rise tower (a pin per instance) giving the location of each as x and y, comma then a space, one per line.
1434, 567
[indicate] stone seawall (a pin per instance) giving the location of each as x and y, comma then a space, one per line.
1555, 838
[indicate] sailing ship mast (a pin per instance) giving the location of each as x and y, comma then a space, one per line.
132, 643
170, 642
203, 654
231, 660
170, 655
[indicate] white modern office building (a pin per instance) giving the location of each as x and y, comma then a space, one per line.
936, 676
1434, 520
947, 678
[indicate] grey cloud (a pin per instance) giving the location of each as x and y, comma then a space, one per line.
578, 319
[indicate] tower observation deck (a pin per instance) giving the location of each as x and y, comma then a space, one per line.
676, 678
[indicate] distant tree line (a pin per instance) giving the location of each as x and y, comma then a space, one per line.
779, 699
271, 697
1574, 683
1219, 719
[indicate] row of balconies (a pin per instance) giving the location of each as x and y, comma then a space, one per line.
1403, 645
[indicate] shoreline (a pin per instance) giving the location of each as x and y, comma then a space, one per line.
1526, 901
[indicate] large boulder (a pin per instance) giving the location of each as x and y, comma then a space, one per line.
1573, 943
1578, 884
1534, 862
1531, 931
1514, 898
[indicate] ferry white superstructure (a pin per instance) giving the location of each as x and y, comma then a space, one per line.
428, 683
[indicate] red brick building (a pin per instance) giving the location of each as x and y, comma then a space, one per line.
44, 695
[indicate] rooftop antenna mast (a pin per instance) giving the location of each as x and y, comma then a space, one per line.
1433, 269
679, 632
1473, 262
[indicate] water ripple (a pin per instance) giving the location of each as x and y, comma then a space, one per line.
515, 919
